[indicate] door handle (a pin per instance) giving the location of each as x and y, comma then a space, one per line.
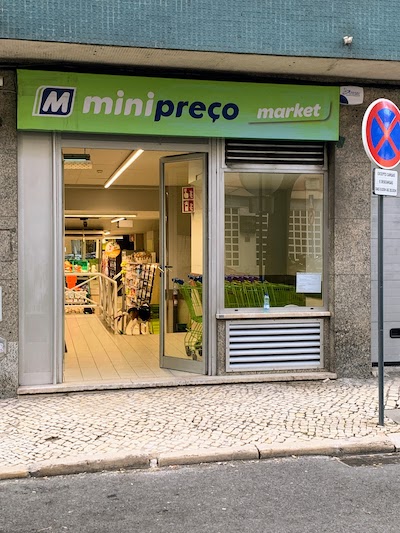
167, 267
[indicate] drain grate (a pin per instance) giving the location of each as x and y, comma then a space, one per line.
371, 460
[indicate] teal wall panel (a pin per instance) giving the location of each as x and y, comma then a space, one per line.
283, 27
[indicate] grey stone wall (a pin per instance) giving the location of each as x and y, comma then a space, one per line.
350, 244
8, 233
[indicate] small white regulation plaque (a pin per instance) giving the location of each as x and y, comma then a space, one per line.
385, 182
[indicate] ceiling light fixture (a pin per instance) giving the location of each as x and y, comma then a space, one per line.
89, 215
106, 232
71, 232
126, 164
113, 238
77, 161
117, 219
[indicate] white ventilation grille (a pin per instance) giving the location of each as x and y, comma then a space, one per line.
273, 345
308, 154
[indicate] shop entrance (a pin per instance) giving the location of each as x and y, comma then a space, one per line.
134, 268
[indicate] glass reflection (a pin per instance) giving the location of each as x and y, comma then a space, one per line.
273, 239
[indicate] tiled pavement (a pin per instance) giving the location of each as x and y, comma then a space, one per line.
54, 427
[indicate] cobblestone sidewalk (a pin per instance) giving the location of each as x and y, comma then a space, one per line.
46, 428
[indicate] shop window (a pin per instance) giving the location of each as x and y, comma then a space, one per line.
273, 239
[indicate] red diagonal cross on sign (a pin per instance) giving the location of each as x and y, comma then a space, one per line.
386, 133
381, 137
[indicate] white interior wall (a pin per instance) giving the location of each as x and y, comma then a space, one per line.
196, 180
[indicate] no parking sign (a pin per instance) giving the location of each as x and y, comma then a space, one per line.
381, 139
381, 133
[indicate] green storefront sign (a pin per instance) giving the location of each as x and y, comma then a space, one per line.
97, 103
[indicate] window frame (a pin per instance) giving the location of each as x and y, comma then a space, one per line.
223, 169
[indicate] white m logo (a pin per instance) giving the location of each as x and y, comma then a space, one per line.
54, 101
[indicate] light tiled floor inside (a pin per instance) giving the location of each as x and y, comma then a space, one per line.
94, 354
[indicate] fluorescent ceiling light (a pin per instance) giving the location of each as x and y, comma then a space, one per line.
117, 219
98, 216
77, 161
126, 164
91, 233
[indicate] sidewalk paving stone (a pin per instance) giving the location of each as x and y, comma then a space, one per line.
169, 423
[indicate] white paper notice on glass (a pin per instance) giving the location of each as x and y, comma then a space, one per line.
308, 282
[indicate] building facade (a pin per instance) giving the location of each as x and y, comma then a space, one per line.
289, 210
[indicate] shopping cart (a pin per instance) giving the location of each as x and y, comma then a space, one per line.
250, 293
282, 295
192, 295
245, 293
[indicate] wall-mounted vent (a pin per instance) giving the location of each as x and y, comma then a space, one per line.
273, 345
240, 152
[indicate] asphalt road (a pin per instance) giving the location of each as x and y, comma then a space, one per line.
293, 495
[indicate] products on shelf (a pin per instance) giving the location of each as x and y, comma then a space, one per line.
138, 277
110, 266
138, 281
74, 297
76, 266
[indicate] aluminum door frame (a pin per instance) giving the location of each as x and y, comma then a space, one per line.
176, 363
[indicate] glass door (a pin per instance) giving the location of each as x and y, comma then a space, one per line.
183, 182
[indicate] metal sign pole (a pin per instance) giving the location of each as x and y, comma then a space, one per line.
381, 363
381, 140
